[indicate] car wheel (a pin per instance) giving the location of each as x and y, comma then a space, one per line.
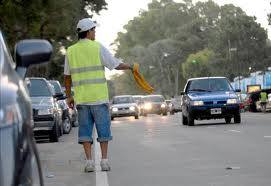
75, 123
237, 118
184, 120
54, 134
67, 126
172, 113
61, 129
136, 116
112, 118
190, 120
165, 114
228, 120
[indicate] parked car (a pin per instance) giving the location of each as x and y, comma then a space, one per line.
210, 98
46, 112
139, 100
59, 94
124, 106
155, 104
19, 158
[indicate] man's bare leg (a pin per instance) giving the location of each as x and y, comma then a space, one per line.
104, 147
87, 148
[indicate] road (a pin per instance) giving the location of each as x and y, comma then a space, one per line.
159, 151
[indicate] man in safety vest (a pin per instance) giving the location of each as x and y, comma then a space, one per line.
84, 69
263, 100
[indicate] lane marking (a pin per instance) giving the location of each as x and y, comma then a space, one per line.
101, 176
267, 136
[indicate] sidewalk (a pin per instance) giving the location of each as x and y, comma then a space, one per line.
63, 162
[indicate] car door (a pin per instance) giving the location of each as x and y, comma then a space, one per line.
16, 139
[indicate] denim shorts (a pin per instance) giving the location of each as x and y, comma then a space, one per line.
90, 115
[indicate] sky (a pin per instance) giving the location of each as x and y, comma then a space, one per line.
119, 12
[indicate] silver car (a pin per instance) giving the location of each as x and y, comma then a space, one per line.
123, 106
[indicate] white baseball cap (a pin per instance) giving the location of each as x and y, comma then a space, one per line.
85, 24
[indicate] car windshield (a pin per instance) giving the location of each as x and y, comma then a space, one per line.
121, 100
154, 99
38, 88
137, 98
57, 87
215, 84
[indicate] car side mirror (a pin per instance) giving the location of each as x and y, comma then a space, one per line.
182, 93
31, 51
237, 90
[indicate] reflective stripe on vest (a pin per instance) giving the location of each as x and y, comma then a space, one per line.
87, 72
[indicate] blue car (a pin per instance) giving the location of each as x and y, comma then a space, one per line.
209, 98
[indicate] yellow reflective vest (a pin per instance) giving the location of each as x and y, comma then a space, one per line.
87, 72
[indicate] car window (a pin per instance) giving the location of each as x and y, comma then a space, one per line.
216, 84
56, 87
120, 100
39, 88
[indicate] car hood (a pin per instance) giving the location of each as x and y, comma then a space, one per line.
124, 105
220, 95
38, 102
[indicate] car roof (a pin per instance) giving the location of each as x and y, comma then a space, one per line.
158, 95
38, 78
122, 96
215, 77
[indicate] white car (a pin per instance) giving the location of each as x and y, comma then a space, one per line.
123, 106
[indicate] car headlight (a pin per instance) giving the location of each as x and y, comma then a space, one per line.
132, 108
163, 106
115, 109
231, 101
45, 111
147, 106
197, 103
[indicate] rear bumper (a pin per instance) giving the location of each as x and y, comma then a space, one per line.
204, 112
45, 122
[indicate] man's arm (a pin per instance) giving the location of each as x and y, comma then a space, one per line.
123, 66
68, 84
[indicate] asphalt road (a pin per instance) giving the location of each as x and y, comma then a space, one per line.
160, 151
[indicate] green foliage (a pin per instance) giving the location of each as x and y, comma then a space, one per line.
180, 29
198, 64
54, 20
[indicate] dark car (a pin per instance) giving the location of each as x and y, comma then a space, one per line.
123, 106
155, 104
210, 98
61, 100
19, 159
46, 112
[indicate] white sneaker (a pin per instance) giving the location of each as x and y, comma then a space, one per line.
89, 166
105, 165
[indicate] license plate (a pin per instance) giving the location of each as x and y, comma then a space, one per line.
216, 111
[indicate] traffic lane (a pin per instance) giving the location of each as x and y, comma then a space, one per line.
160, 151
63, 162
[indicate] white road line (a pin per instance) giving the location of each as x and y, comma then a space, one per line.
234, 131
267, 136
101, 177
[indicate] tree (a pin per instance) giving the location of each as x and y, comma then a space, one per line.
199, 64
47, 19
